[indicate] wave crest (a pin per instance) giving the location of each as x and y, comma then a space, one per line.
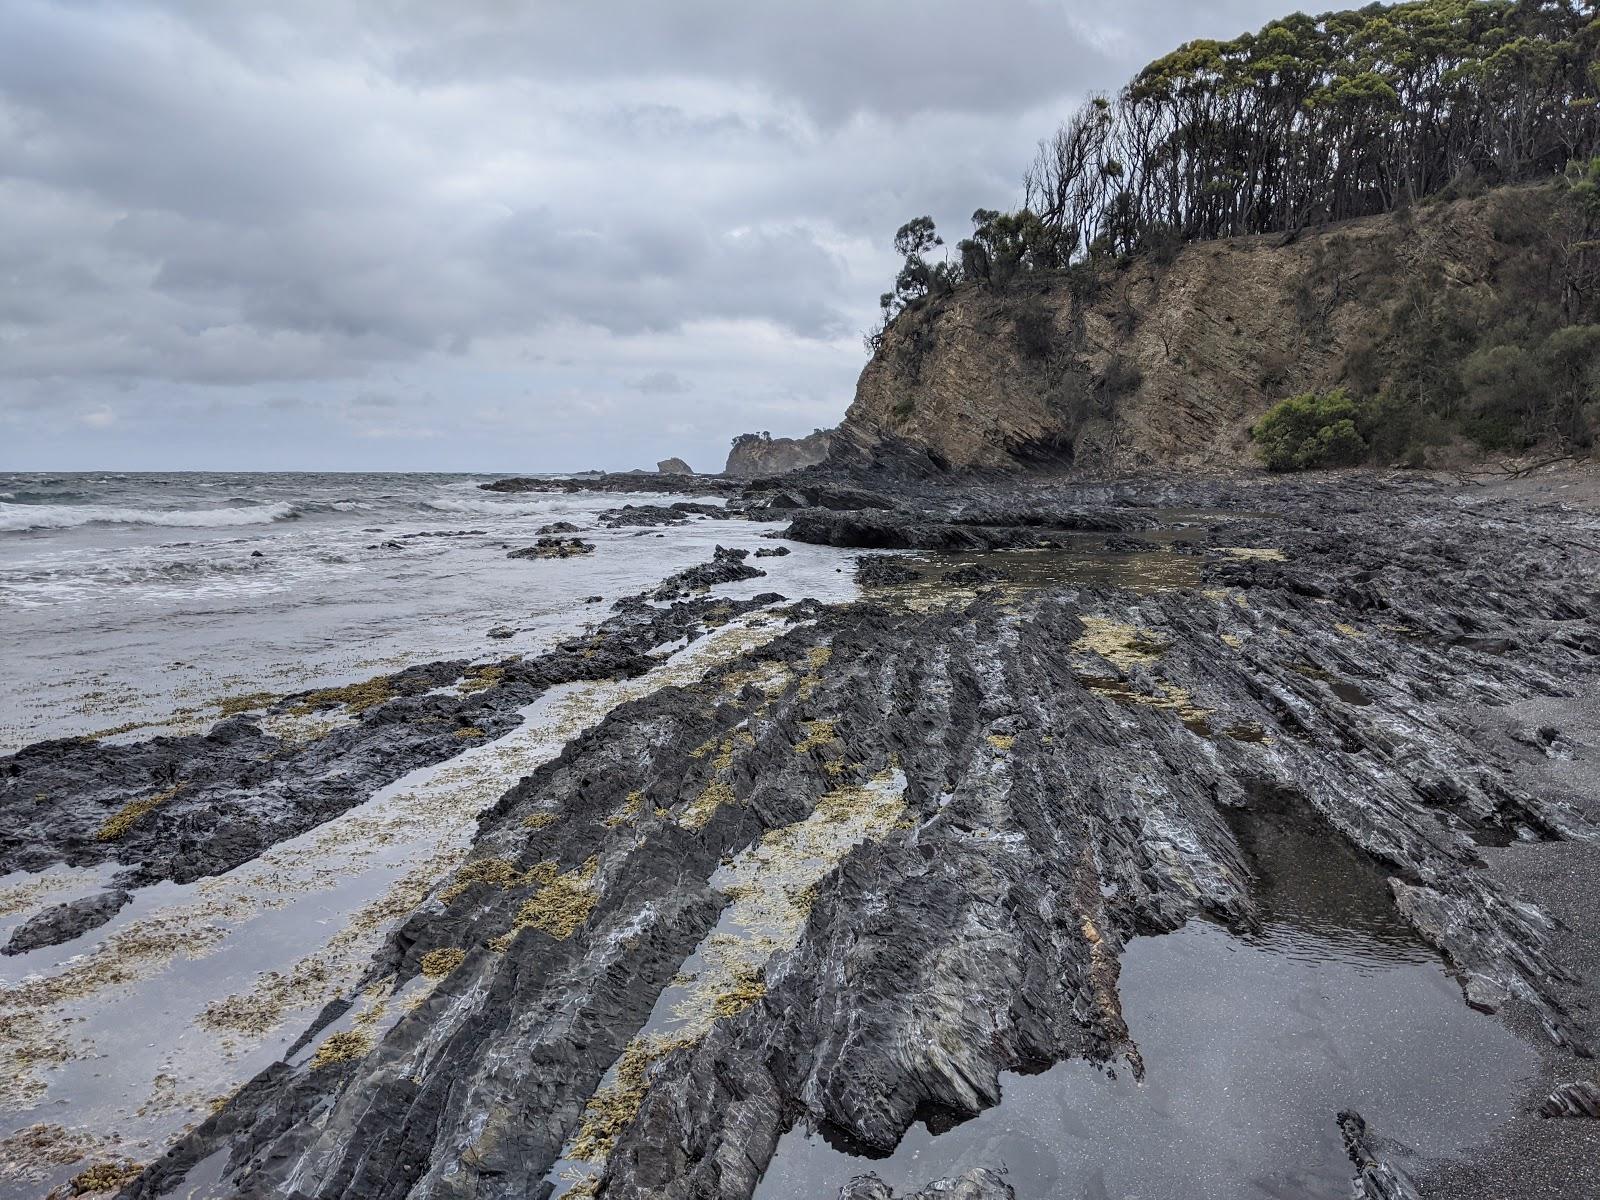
16, 518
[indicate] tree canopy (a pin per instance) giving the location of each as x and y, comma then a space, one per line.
1319, 119
1309, 120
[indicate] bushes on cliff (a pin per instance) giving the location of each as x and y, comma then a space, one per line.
1310, 430
1310, 120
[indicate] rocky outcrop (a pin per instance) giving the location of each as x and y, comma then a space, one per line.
757, 455
1161, 362
62, 922
727, 565
673, 466
646, 516
980, 1183
1378, 1175
1580, 1099
554, 547
181, 808
863, 869
618, 481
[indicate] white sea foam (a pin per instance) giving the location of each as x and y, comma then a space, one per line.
18, 517
491, 508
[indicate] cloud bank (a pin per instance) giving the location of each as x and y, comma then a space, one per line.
491, 235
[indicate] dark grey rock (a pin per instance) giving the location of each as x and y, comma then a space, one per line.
1580, 1099
726, 566
63, 922
979, 1183
975, 574
554, 547
882, 570
1378, 1176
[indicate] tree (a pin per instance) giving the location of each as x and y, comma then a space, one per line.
917, 278
1310, 430
916, 237
1572, 360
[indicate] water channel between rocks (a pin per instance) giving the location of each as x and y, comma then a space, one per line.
1251, 1043
133, 1032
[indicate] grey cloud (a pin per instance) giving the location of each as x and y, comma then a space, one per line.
659, 383
212, 209
833, 57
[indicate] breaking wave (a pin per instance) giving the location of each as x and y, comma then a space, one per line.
16, 518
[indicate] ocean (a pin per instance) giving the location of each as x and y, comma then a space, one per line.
136, 602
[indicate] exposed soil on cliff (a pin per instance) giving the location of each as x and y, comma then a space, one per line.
1168, 361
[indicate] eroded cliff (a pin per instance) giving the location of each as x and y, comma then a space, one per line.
1168, 360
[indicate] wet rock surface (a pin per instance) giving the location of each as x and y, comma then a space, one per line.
882, 570
1379, 1175
727, 565
184, 807
1581, 1099
650, 515
851, 877
554, 547
978, 1184
63, 922
621, 481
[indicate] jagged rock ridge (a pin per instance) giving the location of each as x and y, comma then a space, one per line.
1002, 789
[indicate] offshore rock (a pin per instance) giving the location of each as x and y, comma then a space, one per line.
673, 466
649, 515
554, 547
726, 566
620, 481
760, 454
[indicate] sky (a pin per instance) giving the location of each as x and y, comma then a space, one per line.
494, 235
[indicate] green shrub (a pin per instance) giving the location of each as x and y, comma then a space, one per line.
1399, 430
1312, 429
1504, 387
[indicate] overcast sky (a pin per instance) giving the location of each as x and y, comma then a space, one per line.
493, 234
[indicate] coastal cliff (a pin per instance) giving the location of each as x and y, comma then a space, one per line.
1168, 359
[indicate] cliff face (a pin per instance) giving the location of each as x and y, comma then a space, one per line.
759, 454
1160, 362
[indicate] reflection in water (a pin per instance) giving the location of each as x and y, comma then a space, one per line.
1251, 1045
1317, 895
